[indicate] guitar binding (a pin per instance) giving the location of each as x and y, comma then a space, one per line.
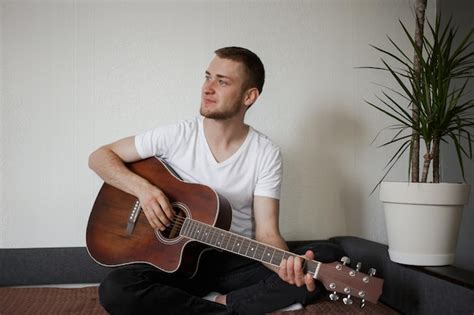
172, 234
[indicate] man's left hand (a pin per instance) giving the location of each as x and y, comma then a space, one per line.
291, 271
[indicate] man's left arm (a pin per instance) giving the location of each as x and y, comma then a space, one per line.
266, 213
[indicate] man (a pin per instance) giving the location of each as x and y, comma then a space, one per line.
221, 151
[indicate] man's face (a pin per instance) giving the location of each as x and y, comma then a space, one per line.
222, 94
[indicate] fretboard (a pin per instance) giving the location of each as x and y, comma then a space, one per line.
237, 244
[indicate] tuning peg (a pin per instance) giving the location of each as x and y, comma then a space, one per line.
345, 260
347, 300
362, 296
358, 266
372, 271
333, 296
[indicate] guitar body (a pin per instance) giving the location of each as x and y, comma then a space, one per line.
118, 232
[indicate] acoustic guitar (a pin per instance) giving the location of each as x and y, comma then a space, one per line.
119, 234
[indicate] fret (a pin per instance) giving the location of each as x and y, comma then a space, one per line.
248, 247
228, 238
217, 238
312, 267
201, 231
237, 244
244, 247
193, 229
205, 234
277, 257
189, 226
220, 240
251, 251
229, 241
184, 228
198, 235
259, 252
234, 239
267, 254
211, 237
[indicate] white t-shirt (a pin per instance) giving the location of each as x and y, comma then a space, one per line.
255, 169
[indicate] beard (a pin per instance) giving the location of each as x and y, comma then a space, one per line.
223, 114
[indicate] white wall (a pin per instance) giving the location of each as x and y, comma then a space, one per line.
461, 10
78, 74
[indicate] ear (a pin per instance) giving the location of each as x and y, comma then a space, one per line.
251, 96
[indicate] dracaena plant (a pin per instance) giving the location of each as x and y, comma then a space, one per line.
438, 92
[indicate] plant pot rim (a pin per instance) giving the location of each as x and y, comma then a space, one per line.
389, 182
425, 193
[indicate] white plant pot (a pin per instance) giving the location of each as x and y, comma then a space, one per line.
423, 221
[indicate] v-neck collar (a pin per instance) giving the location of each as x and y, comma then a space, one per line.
231, 158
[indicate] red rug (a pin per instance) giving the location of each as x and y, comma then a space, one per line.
84, 301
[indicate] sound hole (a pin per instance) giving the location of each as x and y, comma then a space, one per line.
172, 231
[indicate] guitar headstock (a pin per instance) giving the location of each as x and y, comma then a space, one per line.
337, 277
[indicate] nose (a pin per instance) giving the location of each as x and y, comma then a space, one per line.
208, 87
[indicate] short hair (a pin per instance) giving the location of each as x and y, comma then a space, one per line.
252, 63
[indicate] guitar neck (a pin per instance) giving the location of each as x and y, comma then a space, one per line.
237, 244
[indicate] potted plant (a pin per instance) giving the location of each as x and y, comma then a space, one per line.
430, 102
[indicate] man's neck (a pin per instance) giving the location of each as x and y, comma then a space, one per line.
225, 137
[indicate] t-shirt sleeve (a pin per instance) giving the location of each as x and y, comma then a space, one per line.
157, 142
270, 174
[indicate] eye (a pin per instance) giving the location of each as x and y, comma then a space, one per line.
222, 83
207, 77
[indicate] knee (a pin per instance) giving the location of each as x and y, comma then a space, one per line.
113, 295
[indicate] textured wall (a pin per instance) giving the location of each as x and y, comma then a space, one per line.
78, 74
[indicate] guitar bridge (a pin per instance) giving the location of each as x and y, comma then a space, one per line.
132, 218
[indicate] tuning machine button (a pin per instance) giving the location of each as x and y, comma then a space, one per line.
362, 296
345, 260
333, 296
358, 266
347, 300
371, 272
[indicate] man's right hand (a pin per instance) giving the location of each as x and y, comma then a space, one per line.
108, 162
156, 206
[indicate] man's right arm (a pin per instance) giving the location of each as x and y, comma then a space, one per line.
109, 161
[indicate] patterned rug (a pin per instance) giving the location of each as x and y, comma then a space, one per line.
84, 301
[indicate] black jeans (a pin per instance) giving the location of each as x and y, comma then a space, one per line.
251, 288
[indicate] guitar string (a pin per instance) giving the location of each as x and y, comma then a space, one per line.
179, 222
329, 271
